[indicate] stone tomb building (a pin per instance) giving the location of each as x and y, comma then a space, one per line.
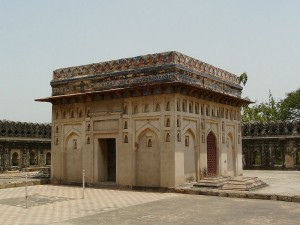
154, 120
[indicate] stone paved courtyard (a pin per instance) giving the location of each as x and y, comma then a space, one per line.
63, 205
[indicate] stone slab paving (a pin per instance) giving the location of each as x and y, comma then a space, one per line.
63, 205
279, 182
195, 209
49, 203
282, 186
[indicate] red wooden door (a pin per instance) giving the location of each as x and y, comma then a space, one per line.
211, 155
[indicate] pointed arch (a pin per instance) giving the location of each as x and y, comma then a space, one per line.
189, 155
144, 128
48, 158
211, 143
72, 155
188, 129
15, 159
33, 158
146, 108
80, 113
157, 107
231, 155
64, 115
136, 109
168, 123
125, 111
72, 134
125, 124
147, 157
168, 106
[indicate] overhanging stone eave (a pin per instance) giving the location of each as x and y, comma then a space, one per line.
219, 95
240, 101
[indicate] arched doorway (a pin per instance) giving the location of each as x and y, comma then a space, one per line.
32, 158
48, 158
15, 159
211, 155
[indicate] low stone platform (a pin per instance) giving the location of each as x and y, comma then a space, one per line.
231, 183
212, 182
17, 179
244, 184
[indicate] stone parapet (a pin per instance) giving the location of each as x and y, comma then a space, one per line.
271, 128
150, 60
273, 145
22, 129
168, 67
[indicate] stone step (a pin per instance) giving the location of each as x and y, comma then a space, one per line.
231, 183
212, 182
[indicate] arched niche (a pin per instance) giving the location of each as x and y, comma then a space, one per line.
189, 155
147, 158
231, 155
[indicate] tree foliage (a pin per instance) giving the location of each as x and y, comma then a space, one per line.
274, 110
263, 112
243, 78
290, 106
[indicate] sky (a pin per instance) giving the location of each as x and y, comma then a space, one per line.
36, 37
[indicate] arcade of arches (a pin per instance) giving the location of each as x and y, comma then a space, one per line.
274, 145
24, 145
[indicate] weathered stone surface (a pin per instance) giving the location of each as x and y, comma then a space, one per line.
274, 197
273, 145
146, 121
21, 184
284, 198
296, 199
223, 194
258, 196
237, 195
24, 145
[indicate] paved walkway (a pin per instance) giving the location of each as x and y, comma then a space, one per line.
63, 205
282, 186
49, 203
280, 182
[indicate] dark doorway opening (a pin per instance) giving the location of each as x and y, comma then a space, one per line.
211, 155
107, 160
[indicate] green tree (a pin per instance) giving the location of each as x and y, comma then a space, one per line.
262, 112
243, 78
290, 106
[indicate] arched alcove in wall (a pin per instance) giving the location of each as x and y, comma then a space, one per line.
33, 158
189, 156
147, 158
231, 156
72, 159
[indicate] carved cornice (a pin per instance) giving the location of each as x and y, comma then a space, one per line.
143, 62
132, 74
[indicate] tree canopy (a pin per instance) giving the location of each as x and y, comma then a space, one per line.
274, 110
290, 106
243, 78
